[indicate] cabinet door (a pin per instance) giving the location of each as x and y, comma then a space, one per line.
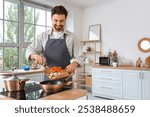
146, 84
131, 84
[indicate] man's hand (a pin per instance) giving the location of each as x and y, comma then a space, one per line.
38, 59
72, 67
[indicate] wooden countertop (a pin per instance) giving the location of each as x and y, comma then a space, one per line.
20, 72
123, 67
71, 94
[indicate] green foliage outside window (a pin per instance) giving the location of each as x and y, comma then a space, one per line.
11, 54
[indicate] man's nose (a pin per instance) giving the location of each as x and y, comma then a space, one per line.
58, 23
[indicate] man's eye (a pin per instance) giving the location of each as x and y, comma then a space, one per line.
61, 21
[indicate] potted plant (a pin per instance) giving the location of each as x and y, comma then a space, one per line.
114, 59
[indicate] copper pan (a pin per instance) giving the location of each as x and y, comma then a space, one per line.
15, 85
55, 85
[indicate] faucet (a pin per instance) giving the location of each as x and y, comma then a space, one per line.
14, 74
13, 68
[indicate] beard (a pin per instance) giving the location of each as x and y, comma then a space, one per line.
58, 28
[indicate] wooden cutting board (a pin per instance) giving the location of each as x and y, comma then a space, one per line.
147, 61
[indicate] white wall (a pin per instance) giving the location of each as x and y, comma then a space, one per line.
123, 23
73, 23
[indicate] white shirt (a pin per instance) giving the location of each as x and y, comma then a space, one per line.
38, 45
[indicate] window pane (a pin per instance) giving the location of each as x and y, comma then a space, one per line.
28, 32
39, 30
28, 15
1, 31
25, 61
39, 17
48, 28
11, 32
1, 58
11, 11
49, 23
10, 57
1, 9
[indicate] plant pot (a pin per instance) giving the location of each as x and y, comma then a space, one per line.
114, 64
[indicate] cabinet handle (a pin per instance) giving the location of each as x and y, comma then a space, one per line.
106, 87
107, 71
141, 75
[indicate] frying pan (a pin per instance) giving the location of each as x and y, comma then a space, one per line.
55, 85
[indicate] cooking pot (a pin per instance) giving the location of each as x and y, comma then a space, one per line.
15, 83
55, 85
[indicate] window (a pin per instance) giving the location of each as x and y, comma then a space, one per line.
18, 31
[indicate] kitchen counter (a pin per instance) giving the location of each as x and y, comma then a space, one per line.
20, 72
123, 67
71, 94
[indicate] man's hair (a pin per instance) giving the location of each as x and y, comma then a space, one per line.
61, 10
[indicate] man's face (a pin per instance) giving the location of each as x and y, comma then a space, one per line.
58, 22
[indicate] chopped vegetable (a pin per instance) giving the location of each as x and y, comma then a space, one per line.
56, 73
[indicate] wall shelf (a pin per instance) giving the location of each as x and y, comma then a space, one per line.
95, 52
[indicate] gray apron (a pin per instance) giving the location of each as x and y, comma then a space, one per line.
56, 53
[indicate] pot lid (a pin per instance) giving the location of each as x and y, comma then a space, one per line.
14, 78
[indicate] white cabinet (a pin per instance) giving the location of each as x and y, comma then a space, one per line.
107, 83
121, 83
145, 75
132, 84
136, 84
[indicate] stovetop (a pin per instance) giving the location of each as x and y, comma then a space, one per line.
32, 91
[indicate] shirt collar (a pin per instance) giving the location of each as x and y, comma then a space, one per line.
51, 30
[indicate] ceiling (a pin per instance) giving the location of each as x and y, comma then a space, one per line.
78, 3
84, 3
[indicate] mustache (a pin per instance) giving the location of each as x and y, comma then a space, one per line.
58, 25
58, 28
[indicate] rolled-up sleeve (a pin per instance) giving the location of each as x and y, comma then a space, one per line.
35, 47
77, 53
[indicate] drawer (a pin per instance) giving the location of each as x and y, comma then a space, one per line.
107, 73
107, 79
99, 90
111, 84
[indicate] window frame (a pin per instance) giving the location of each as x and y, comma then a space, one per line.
21, 41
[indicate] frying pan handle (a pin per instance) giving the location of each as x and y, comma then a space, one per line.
70, 82
66, 80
